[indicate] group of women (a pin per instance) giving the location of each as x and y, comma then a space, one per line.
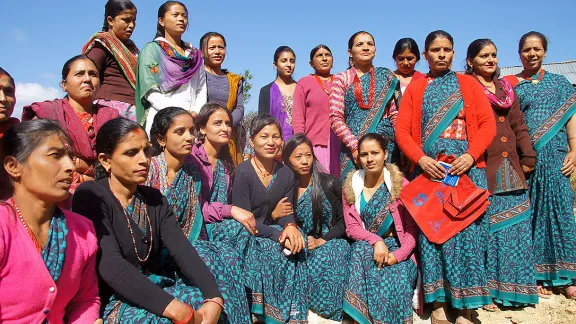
111, 221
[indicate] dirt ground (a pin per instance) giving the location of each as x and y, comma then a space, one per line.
556, 310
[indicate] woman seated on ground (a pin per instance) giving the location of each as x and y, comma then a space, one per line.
319, 214
134, 223
265, 187
52, 251
383, 268
173, 173
80, 118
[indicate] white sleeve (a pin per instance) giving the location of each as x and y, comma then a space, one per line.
157, 100
201, 90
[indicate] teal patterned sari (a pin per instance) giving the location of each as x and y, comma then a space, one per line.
547, 106
221, 259
373, 295
454, 272
328, 265
364, 121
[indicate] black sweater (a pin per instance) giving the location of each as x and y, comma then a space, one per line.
118, 266
249, 193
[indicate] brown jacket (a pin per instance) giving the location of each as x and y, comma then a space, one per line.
512, 140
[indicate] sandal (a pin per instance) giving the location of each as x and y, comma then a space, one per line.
569, 292
435, 320
491, 308
544, 293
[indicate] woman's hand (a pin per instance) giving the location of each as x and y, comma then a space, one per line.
431, 167
283, 208
569, 163
462, 164
527, 169
295, 239
355, 157
178, 311
245, 218
314, 243
391, 260
210, 312
380, 253
99, 321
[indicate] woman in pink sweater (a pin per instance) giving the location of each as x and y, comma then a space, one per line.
312, 108
47, 255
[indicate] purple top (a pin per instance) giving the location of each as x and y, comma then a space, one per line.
218, 91
279, 110
212, 212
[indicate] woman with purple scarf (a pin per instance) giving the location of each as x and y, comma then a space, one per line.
277, 98
168, 68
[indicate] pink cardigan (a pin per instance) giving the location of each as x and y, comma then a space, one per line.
311, 111
406, 228
28, 294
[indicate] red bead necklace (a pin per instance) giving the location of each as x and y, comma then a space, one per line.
358, 90
28, 230
322, 83
526, 77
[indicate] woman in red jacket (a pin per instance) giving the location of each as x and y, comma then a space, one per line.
450, 114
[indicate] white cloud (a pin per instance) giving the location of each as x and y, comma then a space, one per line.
18, 35
27, 93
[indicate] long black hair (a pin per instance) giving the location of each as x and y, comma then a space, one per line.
321, 181
406, 44
109, 136
113, 8
160, 31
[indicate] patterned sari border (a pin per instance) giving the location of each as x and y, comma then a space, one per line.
356, 308
551, 268
456, 293
442, 118
509, 217
382, 218
554, 123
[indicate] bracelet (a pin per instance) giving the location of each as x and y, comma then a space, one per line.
188, 319
354, 150
213, 301
290, 224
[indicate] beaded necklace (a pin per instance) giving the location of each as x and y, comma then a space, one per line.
132, 232
28, 230
358, 90
322, 83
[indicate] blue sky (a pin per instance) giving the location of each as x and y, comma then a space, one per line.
38, 36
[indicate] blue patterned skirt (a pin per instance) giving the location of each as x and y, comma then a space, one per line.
455, 272
224, 263
328, 269
553, 217
277, 285
379, 296
512, 278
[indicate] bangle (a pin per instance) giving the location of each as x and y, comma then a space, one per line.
213, 301
188, 319
354, 150
290, 224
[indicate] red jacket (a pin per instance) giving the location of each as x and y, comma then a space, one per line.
480, 122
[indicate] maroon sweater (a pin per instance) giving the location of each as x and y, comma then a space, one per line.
113, 84
512, 140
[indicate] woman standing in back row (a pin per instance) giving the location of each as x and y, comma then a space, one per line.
449, 113
510, 252
312, 105
406, 55
548, 102
364, 99
170, 71
224, 88
277, 98
116, 55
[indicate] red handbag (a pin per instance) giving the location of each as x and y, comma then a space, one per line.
442, 211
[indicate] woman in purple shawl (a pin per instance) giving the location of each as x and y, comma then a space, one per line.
277, 98
77, 114
168, 68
